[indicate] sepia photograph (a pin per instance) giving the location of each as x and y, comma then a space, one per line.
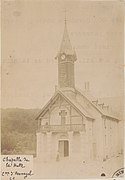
62, 89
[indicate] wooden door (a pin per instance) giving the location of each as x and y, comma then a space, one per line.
63, 148
66, 148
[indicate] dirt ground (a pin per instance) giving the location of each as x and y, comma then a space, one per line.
69, 169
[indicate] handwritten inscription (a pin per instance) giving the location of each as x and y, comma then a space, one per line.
16, 167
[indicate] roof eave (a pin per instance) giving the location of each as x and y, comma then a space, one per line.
89, 118
45, 106
111, 117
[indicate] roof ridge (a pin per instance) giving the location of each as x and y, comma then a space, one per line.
100, 110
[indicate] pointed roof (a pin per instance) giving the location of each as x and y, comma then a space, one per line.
66, 46
70, 100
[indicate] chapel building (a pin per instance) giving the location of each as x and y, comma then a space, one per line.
72, 125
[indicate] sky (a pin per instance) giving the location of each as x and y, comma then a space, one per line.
31, 36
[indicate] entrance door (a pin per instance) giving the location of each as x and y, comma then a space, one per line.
64, 148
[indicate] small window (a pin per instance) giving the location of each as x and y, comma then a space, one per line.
63, 114
63, 120
105, 123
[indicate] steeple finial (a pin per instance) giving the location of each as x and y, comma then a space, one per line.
65, 16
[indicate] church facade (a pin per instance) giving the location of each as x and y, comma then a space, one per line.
72, 125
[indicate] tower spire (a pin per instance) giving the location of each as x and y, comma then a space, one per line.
65, 17
66, 58
66, 46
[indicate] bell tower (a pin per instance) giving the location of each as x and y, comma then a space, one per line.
66, 58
